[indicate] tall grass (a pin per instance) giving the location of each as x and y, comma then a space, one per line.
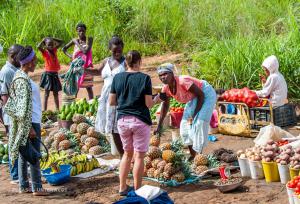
226, 39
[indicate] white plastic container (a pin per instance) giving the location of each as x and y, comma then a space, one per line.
284, 173
290, 192
244, 167
256, 170
296, 199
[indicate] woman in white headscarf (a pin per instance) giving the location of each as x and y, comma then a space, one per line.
274, 87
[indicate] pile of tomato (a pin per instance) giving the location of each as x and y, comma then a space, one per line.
244, 95
295, 184
282, 142
177, 109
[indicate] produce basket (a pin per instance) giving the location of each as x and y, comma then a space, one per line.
65, 124
176, 118
230, 186
58, 178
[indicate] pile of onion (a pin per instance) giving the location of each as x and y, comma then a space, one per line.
295, 160
270, 151
254, 153
286, 155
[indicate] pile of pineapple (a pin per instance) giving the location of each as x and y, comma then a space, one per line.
200, 164
86, 135
165, 161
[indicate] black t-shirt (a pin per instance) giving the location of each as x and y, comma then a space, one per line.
130, 89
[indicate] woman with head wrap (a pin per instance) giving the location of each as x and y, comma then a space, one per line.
275, 86
200, 99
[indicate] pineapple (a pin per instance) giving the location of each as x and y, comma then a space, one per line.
155, 141
170, 169
150, 172
78, 118
78, 137
91, 142
145, 172
65, 144
155, 162
147, 162
166, 176
165, 146
73, 128
82, 128
70, 151
168, 155
179, 177
161, 165
91, 132
55, 145
48, 141
52, 133
158, 174
95, 150
84, 149
154, 152
60, 136
200, 169
200, 159
83, 138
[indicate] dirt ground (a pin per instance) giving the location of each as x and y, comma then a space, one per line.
103, 189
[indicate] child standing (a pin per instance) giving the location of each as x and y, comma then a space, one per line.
50, 80
83, 49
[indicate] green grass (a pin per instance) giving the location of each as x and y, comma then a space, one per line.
226, 40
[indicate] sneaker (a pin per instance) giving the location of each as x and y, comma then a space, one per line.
14, 182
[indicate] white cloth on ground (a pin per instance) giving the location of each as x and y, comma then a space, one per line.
275, 86
149, 192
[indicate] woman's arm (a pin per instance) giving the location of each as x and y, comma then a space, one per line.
66, 47
41, 45
163, 112
200, 96
96, 71
151, 102
113, 99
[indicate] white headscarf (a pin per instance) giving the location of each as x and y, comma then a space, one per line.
271, 63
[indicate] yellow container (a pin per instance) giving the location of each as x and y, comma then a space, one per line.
271, 171
294, 172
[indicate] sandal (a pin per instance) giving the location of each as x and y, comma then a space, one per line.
125, 192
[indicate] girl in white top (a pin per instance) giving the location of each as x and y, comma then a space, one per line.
275, 86
106, 120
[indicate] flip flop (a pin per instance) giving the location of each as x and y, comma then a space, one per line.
125, 192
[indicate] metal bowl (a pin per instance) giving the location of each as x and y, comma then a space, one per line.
229, 187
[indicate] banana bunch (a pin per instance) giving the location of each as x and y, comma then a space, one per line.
82, 167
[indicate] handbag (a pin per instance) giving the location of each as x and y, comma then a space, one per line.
29, 153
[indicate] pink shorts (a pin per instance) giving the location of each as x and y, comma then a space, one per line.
134, 133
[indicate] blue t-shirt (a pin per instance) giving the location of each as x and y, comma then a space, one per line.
130, 89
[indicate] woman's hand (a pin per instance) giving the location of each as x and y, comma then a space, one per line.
262, 78
158, 130
32, 133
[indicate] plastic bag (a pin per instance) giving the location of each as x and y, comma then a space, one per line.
271, 132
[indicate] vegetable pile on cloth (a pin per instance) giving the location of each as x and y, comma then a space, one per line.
225, 155
70, 79
244, 95
145, 195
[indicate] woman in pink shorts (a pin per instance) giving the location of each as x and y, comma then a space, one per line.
131, 91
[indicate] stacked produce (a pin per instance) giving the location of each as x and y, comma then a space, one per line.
244, 95
200, 164
286, 156
225, 155
253, 153
295, 159
80, 162
3, 153
270, 151
166, 162
295, 185
80, 107
49, 116
89, 139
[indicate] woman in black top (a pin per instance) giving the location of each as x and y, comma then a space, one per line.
131, 91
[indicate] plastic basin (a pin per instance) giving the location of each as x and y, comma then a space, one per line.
58, 178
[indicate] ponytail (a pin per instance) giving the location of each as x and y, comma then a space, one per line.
132, 58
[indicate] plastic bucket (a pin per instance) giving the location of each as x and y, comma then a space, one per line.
290, 192
244, 167
176, 119
283, 173
294, 172
256, 170
296, 199
271, 171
